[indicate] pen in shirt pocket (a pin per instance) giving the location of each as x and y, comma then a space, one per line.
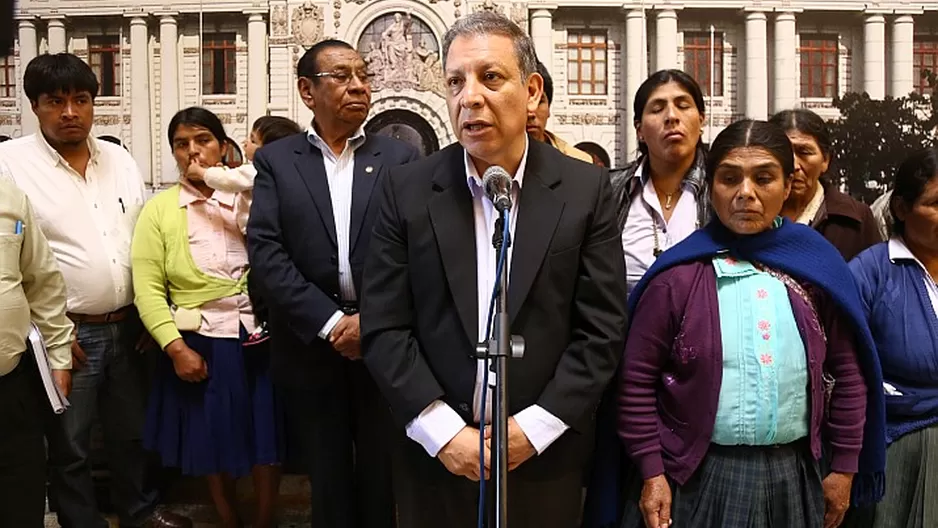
123, 209
19, 227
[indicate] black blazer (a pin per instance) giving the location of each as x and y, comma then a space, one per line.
567, 293
292, 245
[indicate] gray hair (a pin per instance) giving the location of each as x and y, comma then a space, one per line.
486, 23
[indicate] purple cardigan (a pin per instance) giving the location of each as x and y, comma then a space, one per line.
672, 371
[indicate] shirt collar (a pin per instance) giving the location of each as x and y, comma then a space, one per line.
189, 195
472, 175
55, 158
354, 142
899, 251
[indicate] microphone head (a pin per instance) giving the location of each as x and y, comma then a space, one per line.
497, 184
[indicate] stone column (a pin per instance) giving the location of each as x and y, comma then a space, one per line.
257, 67
140, 95
542, 31
874, 56
57, 42
169, 89
757, 77
901, 74
666, 40
786, 63
635, 58
29, 48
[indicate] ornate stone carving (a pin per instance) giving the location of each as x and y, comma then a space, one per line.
126, 119
586, 119
457, 4
9, 103
400, 57
307, 24
190, 51
489, 5
587, 102
9, 119
359, 2
278, 21
337, 13
519, 15
107, 119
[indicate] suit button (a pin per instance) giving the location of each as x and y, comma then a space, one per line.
464, 407
334, 259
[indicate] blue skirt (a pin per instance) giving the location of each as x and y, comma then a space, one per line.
227, 423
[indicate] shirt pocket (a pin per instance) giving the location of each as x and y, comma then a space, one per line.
11, 247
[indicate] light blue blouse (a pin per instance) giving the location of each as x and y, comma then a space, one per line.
764, 394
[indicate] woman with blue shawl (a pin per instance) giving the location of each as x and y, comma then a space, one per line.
747, 341
900, 298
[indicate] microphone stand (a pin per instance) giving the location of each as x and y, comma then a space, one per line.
501, 345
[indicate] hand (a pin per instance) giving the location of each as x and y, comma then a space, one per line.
63, 378
461, 454
195, 171
346, 336
520, 448
836, 498
188, 364
656, 502
79, 358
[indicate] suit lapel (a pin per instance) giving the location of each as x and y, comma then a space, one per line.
454, 227
367, 168
312, 171
540, 210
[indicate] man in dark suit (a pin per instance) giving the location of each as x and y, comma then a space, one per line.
308, 235
430, 274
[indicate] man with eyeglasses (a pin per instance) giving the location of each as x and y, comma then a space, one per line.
308, 236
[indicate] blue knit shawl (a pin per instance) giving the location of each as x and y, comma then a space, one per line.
804, 254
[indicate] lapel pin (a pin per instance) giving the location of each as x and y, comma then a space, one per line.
369, 169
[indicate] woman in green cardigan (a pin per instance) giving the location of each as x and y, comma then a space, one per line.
212, 410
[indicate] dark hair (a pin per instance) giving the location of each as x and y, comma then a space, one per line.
911, 178
61, 72
272, 128
806, 122
548, 82
660, 78
484, 23
756, 134
200, 117
308, 65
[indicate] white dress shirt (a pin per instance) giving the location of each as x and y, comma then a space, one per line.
899, 251
645, 214
439, 423
88, 221
340, 174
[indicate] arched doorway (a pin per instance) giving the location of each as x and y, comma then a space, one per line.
405, 126
600, 157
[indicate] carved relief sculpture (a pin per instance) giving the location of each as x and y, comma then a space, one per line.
402, 53
489, 5
278, 21
307, 24
519, 15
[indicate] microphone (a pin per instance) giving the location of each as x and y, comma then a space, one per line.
497, 184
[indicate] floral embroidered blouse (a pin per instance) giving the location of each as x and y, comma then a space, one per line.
764, 393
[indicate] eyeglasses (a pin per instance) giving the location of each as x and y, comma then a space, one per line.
343, 77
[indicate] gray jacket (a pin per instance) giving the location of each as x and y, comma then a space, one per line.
624, 183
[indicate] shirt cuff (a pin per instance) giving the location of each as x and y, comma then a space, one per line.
60, 358
330, 324
435, 427
540, 426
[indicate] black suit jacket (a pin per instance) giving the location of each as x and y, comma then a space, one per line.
567, 293
292, 245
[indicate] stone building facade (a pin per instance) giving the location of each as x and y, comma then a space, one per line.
238, 58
